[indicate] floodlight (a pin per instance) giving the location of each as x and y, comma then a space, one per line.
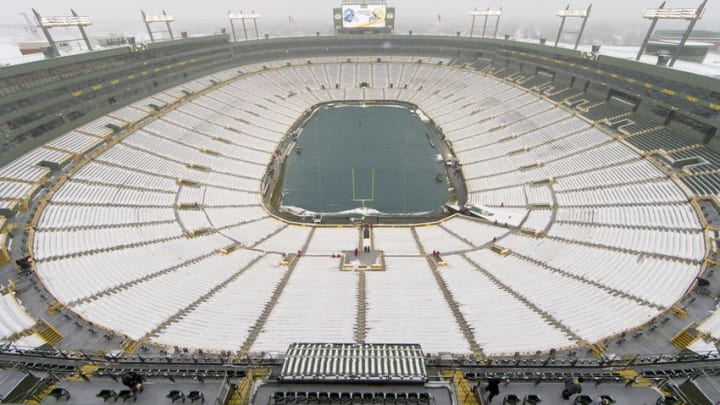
572, 13
159, 18
673, 13
69, 21
486, 13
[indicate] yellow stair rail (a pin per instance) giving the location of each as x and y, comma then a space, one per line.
500, 250
465, 392
130, 345
597, 349
679, 311
686, 336
241, 395
187, 183
47, 332
83, 373
40, 396
229, 249
54, 308
634, 379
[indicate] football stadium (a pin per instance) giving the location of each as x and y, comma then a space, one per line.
367, 217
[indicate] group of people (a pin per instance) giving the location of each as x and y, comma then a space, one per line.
572, 386
24, 263
365, 249
133, 381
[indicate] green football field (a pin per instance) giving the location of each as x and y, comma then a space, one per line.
380, 157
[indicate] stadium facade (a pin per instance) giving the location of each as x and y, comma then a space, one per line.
151, 250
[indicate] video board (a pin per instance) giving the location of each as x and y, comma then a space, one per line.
364, 16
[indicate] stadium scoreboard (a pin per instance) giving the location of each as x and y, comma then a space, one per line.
367, 17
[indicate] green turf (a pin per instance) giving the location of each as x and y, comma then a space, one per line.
390, 140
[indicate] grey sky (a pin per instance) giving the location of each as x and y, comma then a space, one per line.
606, 13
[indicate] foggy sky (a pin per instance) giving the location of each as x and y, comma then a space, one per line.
124, 16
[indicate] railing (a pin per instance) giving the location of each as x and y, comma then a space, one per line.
10, 354
224, 392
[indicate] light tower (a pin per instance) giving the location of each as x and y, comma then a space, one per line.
567, 13
46, 23
242, 17
661, 13
164, 17
486, 13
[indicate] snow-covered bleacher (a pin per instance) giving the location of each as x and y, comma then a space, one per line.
223, 217
404, 304
250, 233
59, 243
76, 143
678, 216
81, 193
13, 317
102, 127
74, 278
508, 197
193, 220
538, 220
159, 298
31, 341
660, 281
27, 168
223, 322
75, 216
515, 326
590, 312
395, 241
659, 192
129, 114
13, 190
711, 324
637, 171
304, 312
289, 240
528, 140
327, 241
214, 197
436, 238
683, 244
476, 232
113, 175
619, 241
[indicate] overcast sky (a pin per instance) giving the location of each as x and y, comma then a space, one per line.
124, 16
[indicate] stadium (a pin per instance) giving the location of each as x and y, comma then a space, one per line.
485, 209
